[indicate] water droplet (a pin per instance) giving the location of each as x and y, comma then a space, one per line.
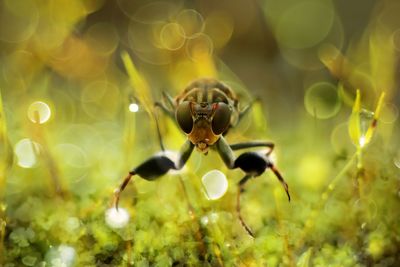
215, 184
62, 255
117, 218
26, 151
366, 117
133, 107
204, 220
39, 112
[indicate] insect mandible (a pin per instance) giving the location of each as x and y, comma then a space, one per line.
205, 111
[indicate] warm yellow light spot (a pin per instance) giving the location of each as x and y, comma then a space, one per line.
313, 171
199, 48
375, 247
39, 112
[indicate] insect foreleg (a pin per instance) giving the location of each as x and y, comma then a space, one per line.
251, 144
240, 190
252, 163
156, 166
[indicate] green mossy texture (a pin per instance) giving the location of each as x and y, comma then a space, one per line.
318, 85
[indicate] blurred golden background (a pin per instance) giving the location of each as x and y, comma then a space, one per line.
78, 80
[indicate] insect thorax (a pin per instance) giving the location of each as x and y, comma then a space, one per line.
208, 91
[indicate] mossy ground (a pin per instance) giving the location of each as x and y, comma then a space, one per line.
319, 94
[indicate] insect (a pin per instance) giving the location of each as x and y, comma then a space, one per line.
205, 111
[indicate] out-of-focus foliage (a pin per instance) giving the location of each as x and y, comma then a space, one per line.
78, 80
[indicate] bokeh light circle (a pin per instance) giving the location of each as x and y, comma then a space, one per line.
75, 161
133, 107
39, 112
102, 38
219, 26
215, 184
101, 99
199, 47
144, 39
305, 24
389, 113
18, 20
26, 151
322, 100
172, 36
191, 21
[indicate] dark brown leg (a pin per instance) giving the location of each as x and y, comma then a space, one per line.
281, 180
121, 188
240, 190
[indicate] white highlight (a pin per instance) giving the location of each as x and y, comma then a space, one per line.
133, 107
63, 255
215, 184
39, 111
362, 141
26, 151
117, 218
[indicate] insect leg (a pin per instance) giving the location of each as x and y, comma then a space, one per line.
251, 144
252, 163
240, 190
156, 166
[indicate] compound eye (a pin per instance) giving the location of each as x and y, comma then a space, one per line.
184, 117
222, 118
